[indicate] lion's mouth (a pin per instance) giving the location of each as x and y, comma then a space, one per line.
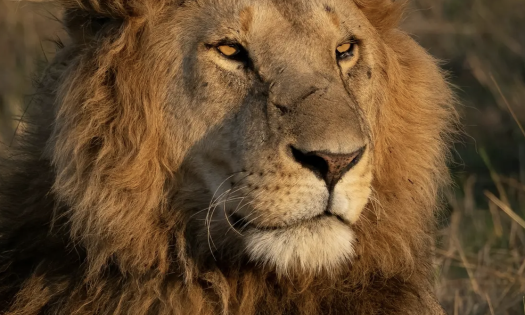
241, 223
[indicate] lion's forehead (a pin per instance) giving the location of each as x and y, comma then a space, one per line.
306, 18
278, 33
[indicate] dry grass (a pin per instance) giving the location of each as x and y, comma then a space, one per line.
481, 247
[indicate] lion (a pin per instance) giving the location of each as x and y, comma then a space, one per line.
228, 157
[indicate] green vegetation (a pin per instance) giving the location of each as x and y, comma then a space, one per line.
27, 32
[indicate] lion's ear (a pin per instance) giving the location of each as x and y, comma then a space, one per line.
86, 19
122, 9
83, 27
383, 14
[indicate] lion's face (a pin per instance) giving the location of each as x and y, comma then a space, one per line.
277, 98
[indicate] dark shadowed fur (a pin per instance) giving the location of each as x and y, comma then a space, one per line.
93, 219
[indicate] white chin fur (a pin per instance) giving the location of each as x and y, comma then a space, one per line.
320, 246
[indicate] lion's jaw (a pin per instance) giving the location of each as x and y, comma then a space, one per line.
322, 240
285, 166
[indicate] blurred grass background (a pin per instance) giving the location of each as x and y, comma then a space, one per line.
480, 266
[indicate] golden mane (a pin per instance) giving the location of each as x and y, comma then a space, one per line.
116, 184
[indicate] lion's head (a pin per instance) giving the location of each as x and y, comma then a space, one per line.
243, 156
277, 131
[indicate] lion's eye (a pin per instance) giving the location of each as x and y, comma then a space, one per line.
233, 51
346, 50
229, 50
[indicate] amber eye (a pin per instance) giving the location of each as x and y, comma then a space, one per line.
229, 50
233, 52
346, 50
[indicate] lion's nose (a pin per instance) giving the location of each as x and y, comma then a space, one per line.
326, 165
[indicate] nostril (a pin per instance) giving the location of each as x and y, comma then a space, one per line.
328, 166
315, 163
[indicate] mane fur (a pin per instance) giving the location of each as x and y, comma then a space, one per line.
93, 184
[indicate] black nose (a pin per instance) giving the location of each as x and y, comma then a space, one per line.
328, 166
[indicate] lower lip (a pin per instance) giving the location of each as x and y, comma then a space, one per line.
240, 222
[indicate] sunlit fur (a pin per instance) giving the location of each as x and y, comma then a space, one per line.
117, 198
